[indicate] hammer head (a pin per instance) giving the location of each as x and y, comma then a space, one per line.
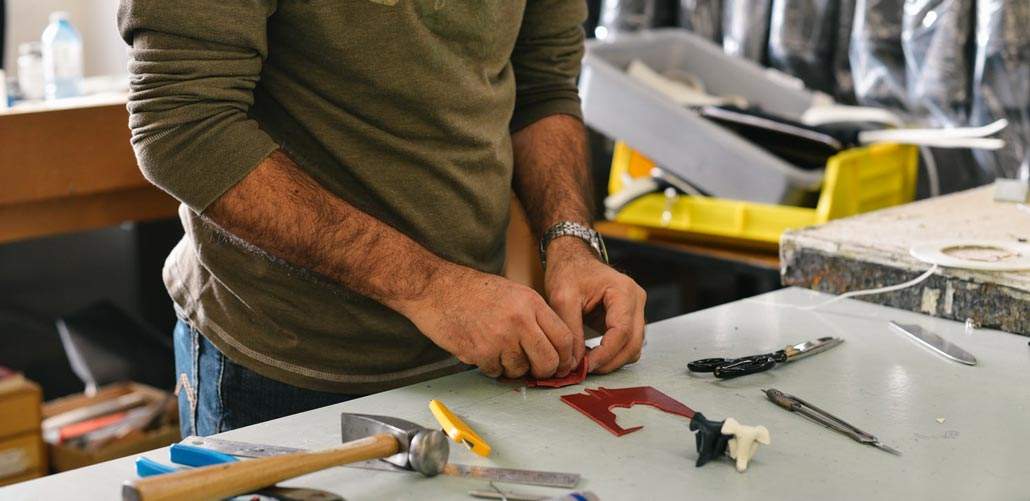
421, 449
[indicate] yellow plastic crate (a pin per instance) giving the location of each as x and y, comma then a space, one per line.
857, 180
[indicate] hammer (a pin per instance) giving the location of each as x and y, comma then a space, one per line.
396, 441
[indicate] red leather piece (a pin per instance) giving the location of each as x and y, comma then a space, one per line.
597, 404
578, 375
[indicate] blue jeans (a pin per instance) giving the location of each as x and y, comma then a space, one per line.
216, 394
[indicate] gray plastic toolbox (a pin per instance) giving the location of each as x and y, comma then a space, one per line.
678, 139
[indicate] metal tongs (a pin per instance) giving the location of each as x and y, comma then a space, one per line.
795, 404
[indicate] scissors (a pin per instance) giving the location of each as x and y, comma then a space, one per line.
729, 368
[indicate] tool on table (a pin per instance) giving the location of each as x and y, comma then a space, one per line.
506, 475
713, 438
936, 343
728, 368
795, 404
399, 442
455, 428
189, 455
496, 493
290, 494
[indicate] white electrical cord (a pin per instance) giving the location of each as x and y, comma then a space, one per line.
879, 290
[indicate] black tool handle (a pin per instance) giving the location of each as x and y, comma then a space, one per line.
744, 366
706, 364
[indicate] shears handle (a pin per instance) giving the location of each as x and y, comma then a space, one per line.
706, 364
729, 368
744, 366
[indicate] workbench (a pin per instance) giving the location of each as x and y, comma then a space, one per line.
872, 250
963, 430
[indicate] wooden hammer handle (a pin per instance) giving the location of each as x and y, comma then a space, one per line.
229, 479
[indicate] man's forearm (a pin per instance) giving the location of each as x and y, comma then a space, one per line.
286, 213
551, 175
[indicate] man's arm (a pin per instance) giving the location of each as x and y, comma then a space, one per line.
192, 79
552, 181
483, 319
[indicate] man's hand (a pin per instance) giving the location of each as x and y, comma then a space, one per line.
578, 283
500, 326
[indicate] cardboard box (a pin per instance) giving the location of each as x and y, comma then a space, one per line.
65, 457
21, 457
24, 477
19, 405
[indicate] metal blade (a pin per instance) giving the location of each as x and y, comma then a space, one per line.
513, 476
802, 350
509, 475
936, 343
887, 448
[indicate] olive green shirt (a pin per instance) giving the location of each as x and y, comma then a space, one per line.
403, 108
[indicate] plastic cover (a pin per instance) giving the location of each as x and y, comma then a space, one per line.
935, 37
745, 28
843, 83
624, 16
1001, 82
702, 17
801, 39
877, 59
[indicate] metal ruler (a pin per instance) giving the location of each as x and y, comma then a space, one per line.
508, 475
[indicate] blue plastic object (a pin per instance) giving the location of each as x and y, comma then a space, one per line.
188, 455
191, 455
148, 467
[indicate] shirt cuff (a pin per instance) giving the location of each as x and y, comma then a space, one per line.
553, 103
201, 169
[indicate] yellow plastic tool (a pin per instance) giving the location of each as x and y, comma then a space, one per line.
455, 428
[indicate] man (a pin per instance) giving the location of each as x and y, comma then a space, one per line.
344, 168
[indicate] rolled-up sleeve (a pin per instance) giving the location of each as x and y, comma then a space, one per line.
193, 68
546, 60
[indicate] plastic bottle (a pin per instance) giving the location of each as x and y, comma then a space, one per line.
62, 58
30, 70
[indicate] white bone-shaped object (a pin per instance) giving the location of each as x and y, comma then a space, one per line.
745, 441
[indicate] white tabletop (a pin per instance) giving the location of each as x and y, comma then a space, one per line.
878, 380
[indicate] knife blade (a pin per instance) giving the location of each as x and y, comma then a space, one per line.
807, 348
939, 345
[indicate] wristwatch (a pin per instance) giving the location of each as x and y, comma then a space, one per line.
571, 229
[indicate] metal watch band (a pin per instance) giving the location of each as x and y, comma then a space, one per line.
572, 229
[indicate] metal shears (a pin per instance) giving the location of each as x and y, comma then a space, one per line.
728, 368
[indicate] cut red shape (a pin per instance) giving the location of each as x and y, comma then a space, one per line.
597, 405
578, 375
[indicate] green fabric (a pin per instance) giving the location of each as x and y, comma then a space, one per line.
401, 107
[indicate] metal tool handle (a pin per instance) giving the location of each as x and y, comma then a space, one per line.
779, 398
229, 479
